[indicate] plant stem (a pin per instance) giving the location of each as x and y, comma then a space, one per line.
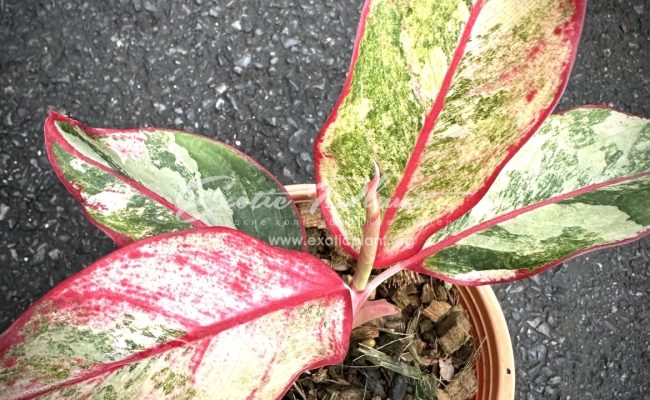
360, 299
370, 238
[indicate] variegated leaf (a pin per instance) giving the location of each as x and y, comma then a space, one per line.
581, 183
135, 184
202, 314
441, 94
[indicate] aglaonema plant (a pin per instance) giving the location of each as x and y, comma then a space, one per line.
440, 157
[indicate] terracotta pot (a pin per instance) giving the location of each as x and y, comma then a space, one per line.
495, 365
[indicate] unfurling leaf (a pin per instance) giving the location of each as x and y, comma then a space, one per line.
441, 94
580, 184
209, 313
134, 184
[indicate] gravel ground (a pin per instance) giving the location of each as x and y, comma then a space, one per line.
262, 76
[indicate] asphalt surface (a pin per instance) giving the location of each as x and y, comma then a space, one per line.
262, 76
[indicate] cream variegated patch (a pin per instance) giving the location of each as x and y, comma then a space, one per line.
495, 275
111, 200
131, 146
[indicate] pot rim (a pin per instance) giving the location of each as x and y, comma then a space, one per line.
495, 366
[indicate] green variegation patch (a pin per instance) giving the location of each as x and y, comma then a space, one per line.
579, 183
139, 183
115, 204
441, 93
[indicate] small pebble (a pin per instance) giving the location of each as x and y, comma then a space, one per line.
4, 209
244, 61
289, 43
544, 329
446, 369
214, 12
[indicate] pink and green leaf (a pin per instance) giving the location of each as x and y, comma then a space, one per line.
134, 184
441, 94
581, 183
208, 313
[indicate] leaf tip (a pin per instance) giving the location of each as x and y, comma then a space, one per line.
53, 117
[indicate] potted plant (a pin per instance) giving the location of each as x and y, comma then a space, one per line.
440, 157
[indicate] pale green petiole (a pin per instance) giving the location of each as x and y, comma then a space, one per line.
370, 238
